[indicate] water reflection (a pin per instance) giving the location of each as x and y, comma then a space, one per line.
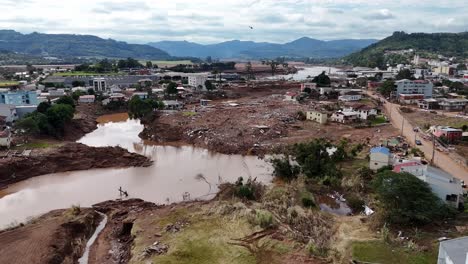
176, 171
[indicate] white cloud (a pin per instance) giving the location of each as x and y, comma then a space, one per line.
143, 21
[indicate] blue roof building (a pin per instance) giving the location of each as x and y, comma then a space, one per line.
19, 98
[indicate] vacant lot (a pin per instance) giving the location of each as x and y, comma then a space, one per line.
380, 252
426, 119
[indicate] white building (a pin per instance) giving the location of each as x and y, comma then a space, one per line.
363, 111
406, 86
350, 96
99, 84
317, 116
86, 99
453, 251
448, 188
197, 81
9, 112
379, 158
5, 138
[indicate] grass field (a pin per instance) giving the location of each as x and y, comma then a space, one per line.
81, 73
380, 252
8, 83
168, 63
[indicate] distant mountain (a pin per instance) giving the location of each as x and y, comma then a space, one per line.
303, 47
447, 44
67, 45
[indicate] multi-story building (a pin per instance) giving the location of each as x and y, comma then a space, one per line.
451, 134
197, 81
317, 116
453, 104
100, 84
414, 87
19, 98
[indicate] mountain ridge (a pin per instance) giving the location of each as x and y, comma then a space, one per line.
73, 45
302, 47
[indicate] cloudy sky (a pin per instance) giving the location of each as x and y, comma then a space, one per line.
209, 21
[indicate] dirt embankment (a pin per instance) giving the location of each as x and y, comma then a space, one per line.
69, 157
115, 242
56, 237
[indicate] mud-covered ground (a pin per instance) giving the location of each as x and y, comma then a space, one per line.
56, 237
68, 157
257, 123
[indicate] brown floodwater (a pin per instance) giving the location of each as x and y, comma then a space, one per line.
178, 171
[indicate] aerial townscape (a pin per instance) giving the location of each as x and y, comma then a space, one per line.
191, 147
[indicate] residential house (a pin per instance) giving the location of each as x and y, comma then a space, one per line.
9, 112
86, 99
290, 96
344, 117
115, 97
453, 104
379, 157
325, 90
428, 104
410, 98
451, 134
363, 111
5, 138
142, 95
317, 116
172, 105
406, 86
23, 110
448, 188
19, 97
350, 96
453, 251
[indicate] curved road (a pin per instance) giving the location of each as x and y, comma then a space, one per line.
441, 160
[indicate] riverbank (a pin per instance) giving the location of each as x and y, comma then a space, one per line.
67, 157
57, 237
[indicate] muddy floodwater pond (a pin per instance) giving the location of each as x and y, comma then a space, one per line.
177, 172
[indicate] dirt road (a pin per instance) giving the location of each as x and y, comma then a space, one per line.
441, 159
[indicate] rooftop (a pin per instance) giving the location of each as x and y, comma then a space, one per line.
383, 150
456, 249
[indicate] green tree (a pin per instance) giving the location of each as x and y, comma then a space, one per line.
149, 64
283, 168
407, 200
387, 88
209, 86
461, 67
28, 125
171, 88
43, 106
322, 80
76, 94
405, 74
57, 116
68, 100
138, 108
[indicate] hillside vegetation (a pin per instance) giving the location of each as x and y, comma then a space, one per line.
67, 45
447, 44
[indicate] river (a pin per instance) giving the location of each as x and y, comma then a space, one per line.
176, 170
306, 72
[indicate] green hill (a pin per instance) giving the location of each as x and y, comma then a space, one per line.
67, 45
447, 44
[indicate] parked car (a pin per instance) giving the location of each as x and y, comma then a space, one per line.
418, 142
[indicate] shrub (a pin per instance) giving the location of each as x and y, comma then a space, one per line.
355, 203
283, 169
262, 218
308, 202
408, 200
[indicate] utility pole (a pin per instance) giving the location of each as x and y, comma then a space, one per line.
402, 125
433, 149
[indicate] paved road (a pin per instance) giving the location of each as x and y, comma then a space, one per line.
441, 160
